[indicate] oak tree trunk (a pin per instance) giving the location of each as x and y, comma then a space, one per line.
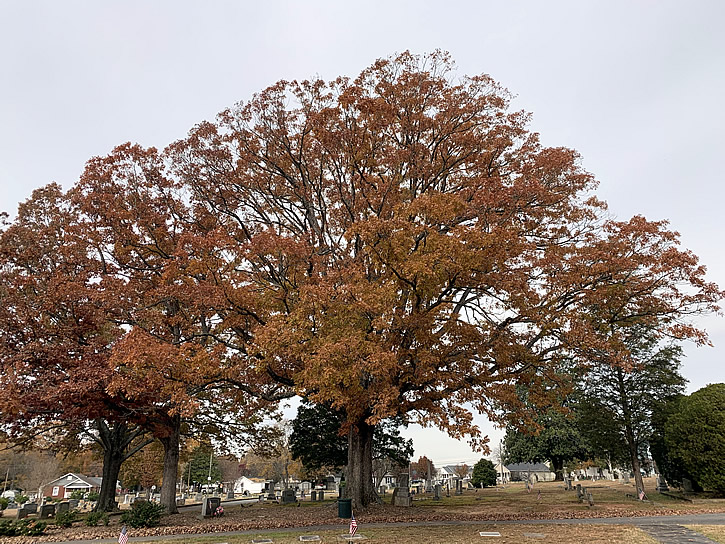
359, 483
170, 441
112, 460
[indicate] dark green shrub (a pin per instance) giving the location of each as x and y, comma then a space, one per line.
78, 495
65, 519
22, 527
94, 518
3, 503
484, 474
92, 496
143, 514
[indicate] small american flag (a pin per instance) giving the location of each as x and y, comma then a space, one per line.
353, 525
642, 495
123, 537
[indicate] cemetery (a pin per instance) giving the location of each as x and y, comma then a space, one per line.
515, 501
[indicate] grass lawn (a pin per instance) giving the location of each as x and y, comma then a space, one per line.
463, 534
714, 532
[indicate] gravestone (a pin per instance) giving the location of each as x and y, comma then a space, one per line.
310, 538
578, 491
626, 477
230, 495
62, 507
73, 503
288, 496
661, 484
31, 507
22, 513
180, 501
209, 506
127, 499
437, 490
47, 511
12, 505
402, 497
590, 499
313, 495
262, 541
271, 496
381, 490
687, 485
156, 497
199, 497
459, 486
320, 495
567, 484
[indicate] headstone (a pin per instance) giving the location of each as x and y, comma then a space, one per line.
271, 496
209, 506
626, 477
31, 507
73, 503
262, 541
661, 484
127, 499
310, 538
313, 495
47, 511
590, 499
489, 533
320, 495
567, 484
180, 501
437, 491
534, 535
381, 490
687, 485
62, 507
578, 491
459, 486
22, 513
12, 505
288, 496
156, 497
230, 495
402, 497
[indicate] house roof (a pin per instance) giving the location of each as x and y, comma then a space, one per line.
78, 481
451, 469
528, 467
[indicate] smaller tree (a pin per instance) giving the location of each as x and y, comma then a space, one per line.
695, 436
461, 470
484, 474
422, 469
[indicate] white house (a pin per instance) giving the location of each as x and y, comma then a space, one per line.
447, 476
503, 475
249, 486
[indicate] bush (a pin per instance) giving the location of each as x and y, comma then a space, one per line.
95, 517
22, 527
78, 495
3, 503
484, 474
65, 519
21, 499
93, 496
143, 514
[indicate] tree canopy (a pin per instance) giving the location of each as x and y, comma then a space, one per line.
695, 436
397, 245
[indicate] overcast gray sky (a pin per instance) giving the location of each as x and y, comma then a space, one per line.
637, 87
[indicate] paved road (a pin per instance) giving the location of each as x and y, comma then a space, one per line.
667, 529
